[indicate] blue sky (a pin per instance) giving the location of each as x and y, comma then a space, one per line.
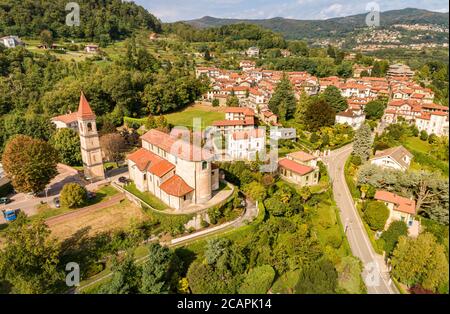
175, 10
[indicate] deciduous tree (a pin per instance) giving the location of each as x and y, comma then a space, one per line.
30, 258
30, 163
67, 142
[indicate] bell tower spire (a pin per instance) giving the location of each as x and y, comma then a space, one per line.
91, 152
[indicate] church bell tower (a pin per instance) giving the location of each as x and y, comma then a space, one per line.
91, 152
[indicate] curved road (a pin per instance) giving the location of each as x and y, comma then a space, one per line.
375, 273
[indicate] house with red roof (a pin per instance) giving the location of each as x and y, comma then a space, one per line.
174, 169
236, 119
436, 122
352, 117
69, 120
299, 168
400, 208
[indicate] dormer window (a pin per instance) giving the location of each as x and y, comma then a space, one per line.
204, 165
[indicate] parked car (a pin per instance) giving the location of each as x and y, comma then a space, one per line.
5, 200
91, 195
10, 215
123, 180
57, 202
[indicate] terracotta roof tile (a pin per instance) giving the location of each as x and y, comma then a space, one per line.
84, 110
402, 204
176, 147
161, 168
176, 186
67, 118
302, 156
294, 166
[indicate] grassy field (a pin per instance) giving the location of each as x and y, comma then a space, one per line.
185, 118
146, 197
418, 145
120, 216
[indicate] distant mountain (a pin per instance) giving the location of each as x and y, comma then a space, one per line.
341, 26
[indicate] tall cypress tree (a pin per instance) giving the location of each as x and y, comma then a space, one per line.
363, 142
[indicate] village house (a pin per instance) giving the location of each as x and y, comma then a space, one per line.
268, 117
256, 98
246, 145
173, 169
359, 69
300, 168
247, 65
353, 117
285, 53
11, 41
278, 133
236, 119
69, 120
252, 52
400, 209
91, 48
436, 122
399, 70
397, 158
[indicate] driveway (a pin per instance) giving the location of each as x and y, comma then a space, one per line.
375, 273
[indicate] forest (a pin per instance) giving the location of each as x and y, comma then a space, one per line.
104, 20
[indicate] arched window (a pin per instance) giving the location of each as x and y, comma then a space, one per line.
89, 126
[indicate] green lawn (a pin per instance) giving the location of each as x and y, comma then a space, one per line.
146, 197
417, 144
185, 117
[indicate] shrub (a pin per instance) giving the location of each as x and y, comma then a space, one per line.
215, 102
432, 139
423, 135
356, 160
258, 280
376, 215
73, 195
391, 235
204, 223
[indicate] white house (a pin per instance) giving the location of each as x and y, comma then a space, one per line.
244, 145
277, 133
91, 48
300, 168
433, 123
66, 121
253, 52
397, 158
352, 117
11, 41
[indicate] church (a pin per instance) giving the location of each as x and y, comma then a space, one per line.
176, 171
83, 121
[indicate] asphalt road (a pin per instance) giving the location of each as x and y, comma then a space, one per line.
375, 273
28, 204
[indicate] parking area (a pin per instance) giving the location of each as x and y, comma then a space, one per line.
28, 203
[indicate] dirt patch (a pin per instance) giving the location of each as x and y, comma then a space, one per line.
206, 106
119, 216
